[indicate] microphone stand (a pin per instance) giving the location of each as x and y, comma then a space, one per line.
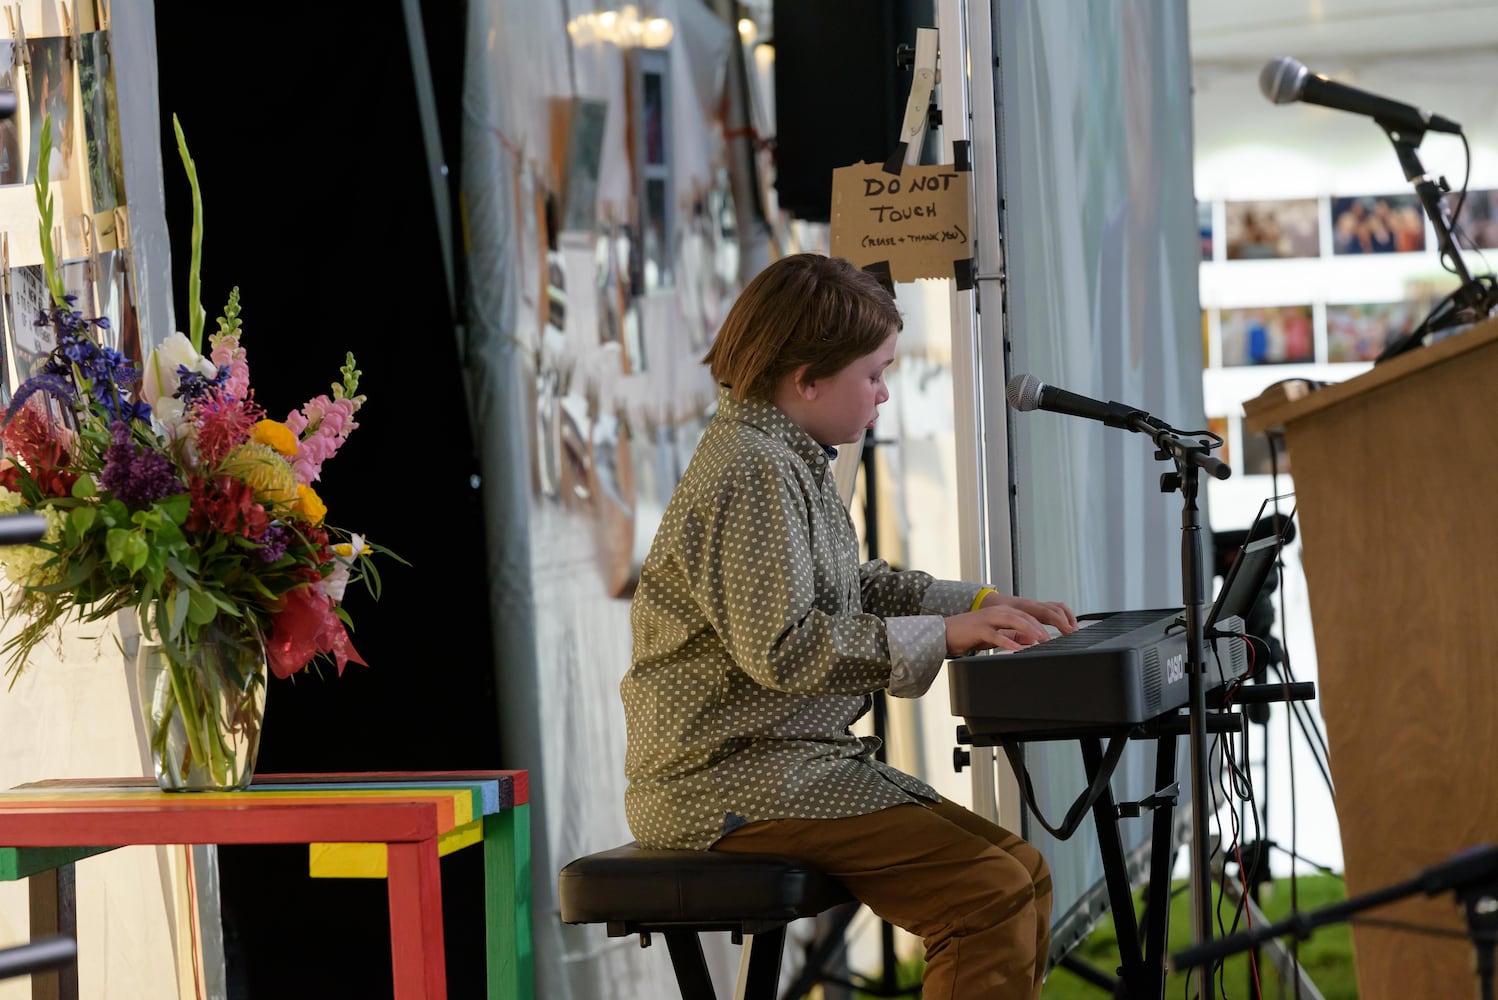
1472, 875
1470, 300
1190, 456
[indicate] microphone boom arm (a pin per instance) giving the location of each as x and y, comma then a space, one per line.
1172, 444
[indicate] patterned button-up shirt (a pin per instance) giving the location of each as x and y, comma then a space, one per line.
758, 640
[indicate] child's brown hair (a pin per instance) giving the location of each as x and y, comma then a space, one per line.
803, 310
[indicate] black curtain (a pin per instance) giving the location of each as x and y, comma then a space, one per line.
318, 204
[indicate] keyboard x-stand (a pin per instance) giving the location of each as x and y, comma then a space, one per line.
1141, 951
1190, 452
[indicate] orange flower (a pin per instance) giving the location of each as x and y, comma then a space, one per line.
277, 435
310, 505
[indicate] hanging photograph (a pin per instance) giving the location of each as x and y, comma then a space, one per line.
1204, 227
111, 299
1389, 223
101, 122
1269, 229
5, 382
50, 86
29, 342
1263, 455
124, 321
582, 123
78, 281
1478, 220
1267, 335
1361, 332
1219, 426
12, 167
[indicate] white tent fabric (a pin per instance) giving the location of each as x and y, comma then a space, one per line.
551, 399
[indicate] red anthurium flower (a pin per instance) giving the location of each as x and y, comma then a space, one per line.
305, 626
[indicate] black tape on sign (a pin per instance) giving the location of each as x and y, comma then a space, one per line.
880, 270
896, 161
962, 272
962, 155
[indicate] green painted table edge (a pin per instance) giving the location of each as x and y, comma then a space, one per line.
17, 863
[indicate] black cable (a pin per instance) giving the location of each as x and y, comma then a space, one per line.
1447, 261
1323, 869
1404, 925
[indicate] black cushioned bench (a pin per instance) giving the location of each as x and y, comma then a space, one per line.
679, 894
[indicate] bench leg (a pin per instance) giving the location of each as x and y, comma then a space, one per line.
759, 965
690, 966
507, 904
414, 883
54, 911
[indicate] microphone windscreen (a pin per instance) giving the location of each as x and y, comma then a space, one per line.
1282, 80
1023, 392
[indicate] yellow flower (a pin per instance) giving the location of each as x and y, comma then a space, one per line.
310, 505
277, 435
24, 564
266, 472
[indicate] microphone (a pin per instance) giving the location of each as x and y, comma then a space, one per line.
1285, 79
1026, 393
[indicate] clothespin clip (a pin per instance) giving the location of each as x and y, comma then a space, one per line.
71, 31
121, 228
918, 104
91, 255
101, 14
18, 29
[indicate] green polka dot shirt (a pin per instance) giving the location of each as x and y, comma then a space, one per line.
758, 640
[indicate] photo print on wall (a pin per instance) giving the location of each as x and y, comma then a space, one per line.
12, 167
1477, 221
30, 342
101, 122
1271, 229
49, 85
1361, 332
1389, 223
1267, 335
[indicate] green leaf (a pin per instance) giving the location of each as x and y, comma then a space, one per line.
175, 507
136, 551
195, 268
114, 544
201, 608
80, 519
84, 487
180, 602
44, 214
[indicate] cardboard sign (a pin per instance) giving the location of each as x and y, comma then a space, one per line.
915, 221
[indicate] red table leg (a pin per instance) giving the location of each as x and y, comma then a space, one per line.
415, 886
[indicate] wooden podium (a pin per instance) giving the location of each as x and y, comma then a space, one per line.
1396, 482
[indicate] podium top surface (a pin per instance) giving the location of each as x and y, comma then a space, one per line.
1286, 402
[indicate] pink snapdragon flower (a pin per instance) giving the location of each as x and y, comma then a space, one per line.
324, 424
226, 351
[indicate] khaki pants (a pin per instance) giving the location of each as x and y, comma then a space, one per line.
977, 894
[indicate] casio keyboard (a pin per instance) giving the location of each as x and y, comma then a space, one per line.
1117, 669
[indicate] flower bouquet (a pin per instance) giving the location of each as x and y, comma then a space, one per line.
168, 492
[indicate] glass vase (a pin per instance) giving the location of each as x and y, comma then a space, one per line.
203, 703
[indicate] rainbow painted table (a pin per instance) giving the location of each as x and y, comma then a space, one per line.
390, 825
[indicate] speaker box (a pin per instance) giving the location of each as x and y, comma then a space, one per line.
839, 95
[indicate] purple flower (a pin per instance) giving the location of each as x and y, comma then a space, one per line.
53, 385
192, 387
273, 543
107, 371
136, 478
